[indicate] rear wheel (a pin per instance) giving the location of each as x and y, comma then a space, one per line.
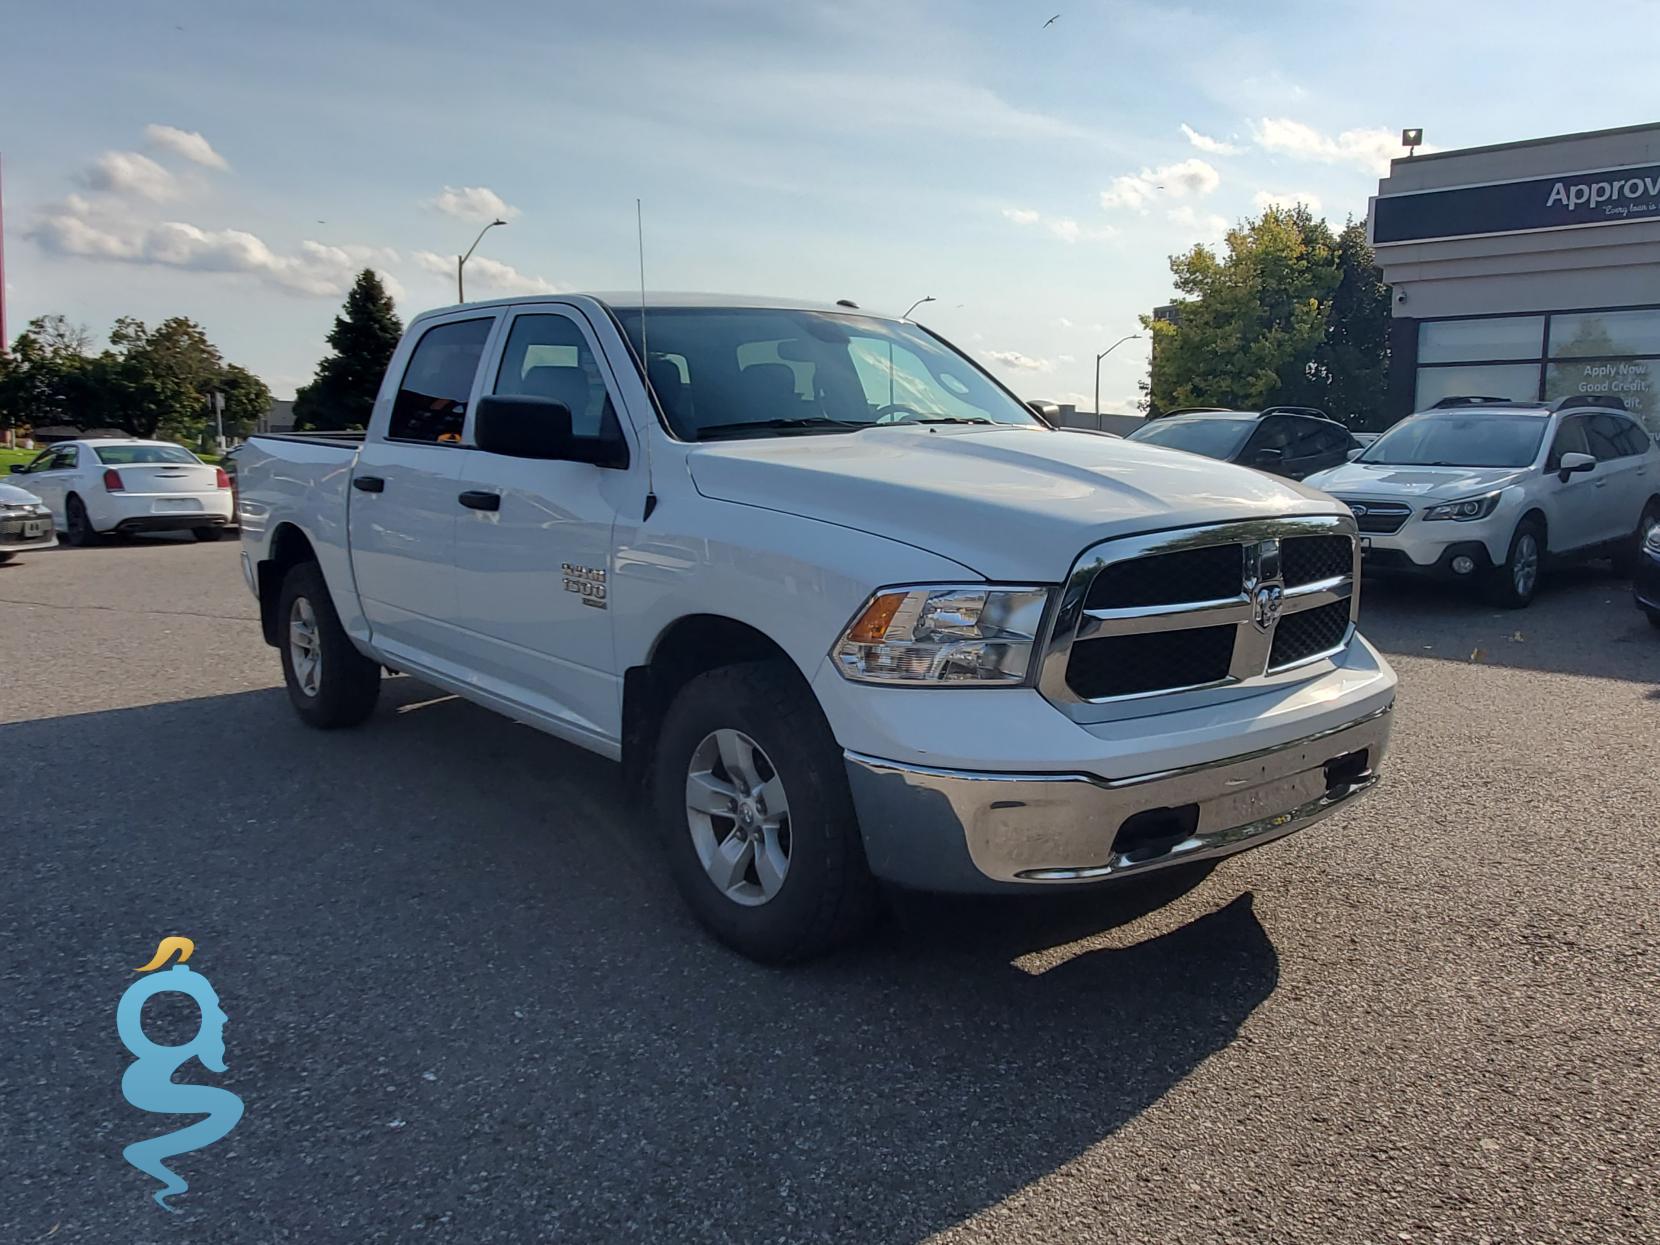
756, 816
78, 529
330, 683
1653, 618
1625, 557
6, 557
1513, 584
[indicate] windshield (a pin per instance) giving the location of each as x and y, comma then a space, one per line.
1214, 438
764, 371
127, 455
1451, 439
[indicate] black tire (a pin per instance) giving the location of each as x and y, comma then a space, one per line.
1653, 618
347, 683
7, 557
207, 535
1507, 586
77, 527
1626, 557
827, 896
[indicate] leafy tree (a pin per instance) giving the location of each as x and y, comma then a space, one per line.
364, 336
43, 380
158, 379
1289, 314
247, 399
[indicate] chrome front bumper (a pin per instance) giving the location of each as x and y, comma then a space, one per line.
937, 829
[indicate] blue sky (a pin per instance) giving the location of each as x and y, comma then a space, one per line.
237, 164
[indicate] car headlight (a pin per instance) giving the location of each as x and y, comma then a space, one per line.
955, 634
1463, 511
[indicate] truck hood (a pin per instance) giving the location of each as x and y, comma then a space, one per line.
1382, 480
1010, 503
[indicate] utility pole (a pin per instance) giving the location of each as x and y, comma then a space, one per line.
461, 260
4, 340
218, 401
1132, 337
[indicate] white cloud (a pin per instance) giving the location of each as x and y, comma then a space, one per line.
1290, 198
1016, 361
478, 203
1065, 358
315, 268
1205, 142
1174, 181
1209, 226
485, 273
130, 173
1367, 149
1021, 216
1062, 227
1063, 322
187, 144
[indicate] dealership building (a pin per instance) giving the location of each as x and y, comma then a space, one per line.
1527, 270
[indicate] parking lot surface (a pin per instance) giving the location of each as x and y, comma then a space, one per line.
465, 1004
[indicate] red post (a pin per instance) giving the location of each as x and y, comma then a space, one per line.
3, 338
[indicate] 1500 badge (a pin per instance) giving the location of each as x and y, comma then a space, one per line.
588, 582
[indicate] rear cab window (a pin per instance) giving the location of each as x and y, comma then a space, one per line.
431, 403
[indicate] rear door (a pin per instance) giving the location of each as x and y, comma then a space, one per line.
1573, 505
1622, 468
533, 538
403, 509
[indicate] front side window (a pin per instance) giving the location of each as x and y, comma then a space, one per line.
1456, 439
127, 455
548, 357
1570, 439
1214, 438
765, 371
431, 405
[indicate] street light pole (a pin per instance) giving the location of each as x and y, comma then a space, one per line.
461, 260
1132, 337
928, 299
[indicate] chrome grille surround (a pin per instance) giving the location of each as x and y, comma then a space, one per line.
1261, 586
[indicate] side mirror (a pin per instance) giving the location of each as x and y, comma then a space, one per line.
1570, 464
519, 426
19, 468
1355, 453
1048, 412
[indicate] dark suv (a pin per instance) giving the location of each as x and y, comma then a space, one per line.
1292, 441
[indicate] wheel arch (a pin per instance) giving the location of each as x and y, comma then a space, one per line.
289, 547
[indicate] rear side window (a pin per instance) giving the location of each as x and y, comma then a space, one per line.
1602, 432
126, 455
431, 405
547, 357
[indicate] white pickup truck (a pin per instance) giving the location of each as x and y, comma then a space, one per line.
847, 607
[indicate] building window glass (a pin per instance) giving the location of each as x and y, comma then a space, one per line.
1503, 337
1636, 382
1493, 380
1586, 334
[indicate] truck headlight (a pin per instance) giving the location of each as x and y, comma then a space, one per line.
1463, 511
934, 634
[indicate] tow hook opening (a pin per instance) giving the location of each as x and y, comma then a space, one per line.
1344, 771
1154, 831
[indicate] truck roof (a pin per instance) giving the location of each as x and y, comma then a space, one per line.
665, 299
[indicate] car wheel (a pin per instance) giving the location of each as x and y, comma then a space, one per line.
1630, 550
6, 557
1653, 618
1513, 584
78, 529
757, 819
207, 534
330, 683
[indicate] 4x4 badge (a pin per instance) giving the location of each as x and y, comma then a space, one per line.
1265, 610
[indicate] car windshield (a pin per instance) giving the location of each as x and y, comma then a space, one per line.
127, 455
764, 371
1214, 438
1454, 439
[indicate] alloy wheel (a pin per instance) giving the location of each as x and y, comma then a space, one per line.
739, 817
1524, 572
305, 649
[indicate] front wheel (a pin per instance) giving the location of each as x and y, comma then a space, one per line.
756, 816
330, 684
1514, 583
1653, 618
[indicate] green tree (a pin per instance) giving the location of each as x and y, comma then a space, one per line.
44, 378
364, 336
158, 379
247, 399
1289, 314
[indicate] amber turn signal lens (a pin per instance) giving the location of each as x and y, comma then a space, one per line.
873, 623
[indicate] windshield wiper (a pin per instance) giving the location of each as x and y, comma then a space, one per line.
941, 419
757, 425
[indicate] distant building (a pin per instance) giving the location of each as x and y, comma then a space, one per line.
280, 418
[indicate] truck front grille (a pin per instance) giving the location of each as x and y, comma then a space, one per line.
1203, 607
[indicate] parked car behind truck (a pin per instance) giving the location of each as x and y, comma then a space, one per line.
847, 605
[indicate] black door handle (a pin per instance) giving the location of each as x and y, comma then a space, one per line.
478, 499
369, 484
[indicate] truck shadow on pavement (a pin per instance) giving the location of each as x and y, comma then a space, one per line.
465, 999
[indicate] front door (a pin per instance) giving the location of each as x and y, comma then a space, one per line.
48, 478
532, 573
402, 502
1576, 504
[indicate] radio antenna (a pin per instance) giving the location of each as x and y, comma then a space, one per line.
645, 358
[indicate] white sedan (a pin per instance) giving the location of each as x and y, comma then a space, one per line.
103, 485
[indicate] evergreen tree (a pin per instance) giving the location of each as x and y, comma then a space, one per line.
364, 336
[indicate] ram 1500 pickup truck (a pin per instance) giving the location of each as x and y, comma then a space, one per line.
849, 609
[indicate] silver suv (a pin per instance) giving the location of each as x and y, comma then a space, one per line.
1487, 489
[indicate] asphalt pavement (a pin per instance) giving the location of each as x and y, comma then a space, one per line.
465, 1004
